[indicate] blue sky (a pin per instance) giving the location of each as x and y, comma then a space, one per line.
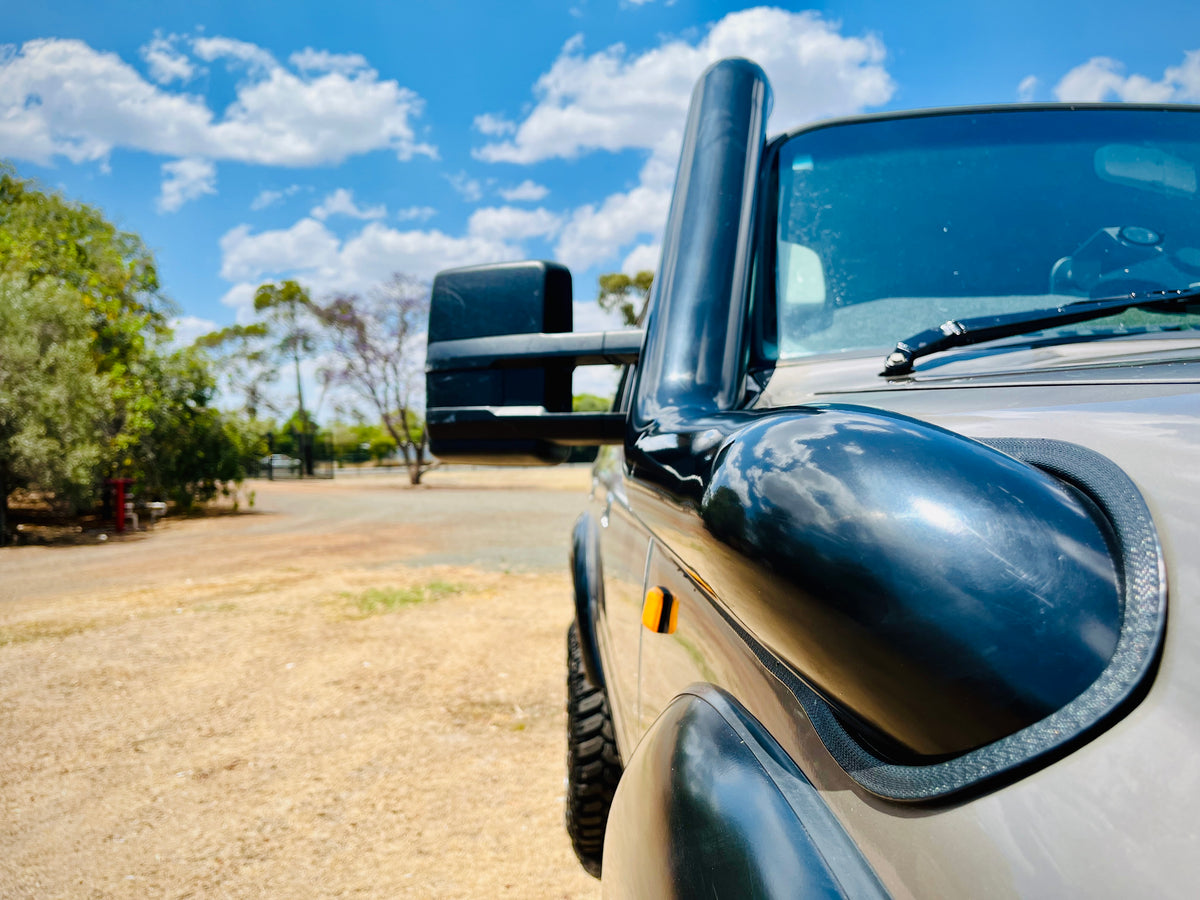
338, 144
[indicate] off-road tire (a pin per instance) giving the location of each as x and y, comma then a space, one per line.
593, 765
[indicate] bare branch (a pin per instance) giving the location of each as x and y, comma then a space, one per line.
378, 345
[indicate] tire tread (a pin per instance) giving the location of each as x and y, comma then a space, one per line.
593, 764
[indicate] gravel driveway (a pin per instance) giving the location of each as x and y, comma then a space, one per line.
355, 689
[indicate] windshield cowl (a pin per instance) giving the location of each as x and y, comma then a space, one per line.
1159, 357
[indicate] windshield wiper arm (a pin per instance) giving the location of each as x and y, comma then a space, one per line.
962, 332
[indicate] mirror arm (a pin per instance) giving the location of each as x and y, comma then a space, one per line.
513, 351
465, 423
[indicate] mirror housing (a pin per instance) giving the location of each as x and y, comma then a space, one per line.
499, 364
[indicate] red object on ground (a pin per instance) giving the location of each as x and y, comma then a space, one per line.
119, 486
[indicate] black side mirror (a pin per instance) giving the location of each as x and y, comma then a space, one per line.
498, 369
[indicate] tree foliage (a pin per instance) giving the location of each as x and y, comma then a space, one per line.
589, 403
377, 342
45, 236
379, 443
191, 451
360, 442
89, 386
54, 404
363, 440
242, 360
626, 294
288, 312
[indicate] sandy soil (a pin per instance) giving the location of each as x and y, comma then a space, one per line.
209, 710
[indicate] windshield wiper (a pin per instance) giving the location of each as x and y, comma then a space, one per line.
961, 332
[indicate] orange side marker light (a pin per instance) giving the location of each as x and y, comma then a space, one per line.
660, 612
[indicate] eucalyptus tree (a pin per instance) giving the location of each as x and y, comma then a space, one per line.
241, 357
288, 313
626, 294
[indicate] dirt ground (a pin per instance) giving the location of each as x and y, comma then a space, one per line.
227, 707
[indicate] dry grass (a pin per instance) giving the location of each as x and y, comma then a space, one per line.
259, 732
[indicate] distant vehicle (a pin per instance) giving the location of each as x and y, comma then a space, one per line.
871, 595
280, 462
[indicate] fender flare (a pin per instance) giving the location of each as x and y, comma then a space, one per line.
588, 576
710, 805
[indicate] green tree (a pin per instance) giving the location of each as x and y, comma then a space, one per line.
378, 346
54, 404
192, 451
380, 444
45, 236
288, 309
88, 384
619, 291
113, 277
360, 441
242, 361
589, 403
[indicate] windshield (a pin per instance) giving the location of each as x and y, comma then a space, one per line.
889, 227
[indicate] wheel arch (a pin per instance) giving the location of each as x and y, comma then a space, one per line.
587, 575
711, 804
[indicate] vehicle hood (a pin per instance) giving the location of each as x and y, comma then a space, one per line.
1135, 401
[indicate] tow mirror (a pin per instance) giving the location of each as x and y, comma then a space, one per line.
499, 363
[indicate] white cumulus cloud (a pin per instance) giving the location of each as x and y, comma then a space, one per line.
310, 60
165, 61
643, 258
494, 126
613, 100
509, 223
526, 190
188, 328
312, 254
377, 251
184, 180
306, 245
341, 203
416, 213
470, 189
231, 49
269, 197
596, 234
1027, 89
62, 98
1102, 78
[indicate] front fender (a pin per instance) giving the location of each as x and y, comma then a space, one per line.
710, 806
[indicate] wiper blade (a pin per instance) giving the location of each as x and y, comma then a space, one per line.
962, 332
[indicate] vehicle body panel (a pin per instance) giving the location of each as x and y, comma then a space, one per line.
1063, 825
625, 547
1056, 822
